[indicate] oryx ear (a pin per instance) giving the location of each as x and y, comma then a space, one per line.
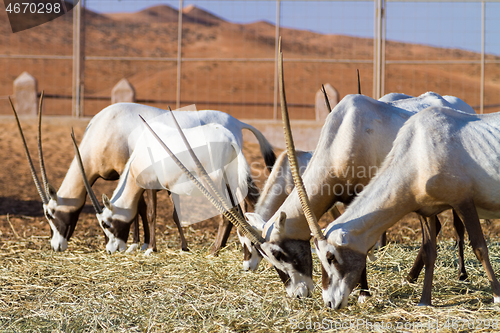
256, 221
340, 237
281, 223
107, 202
52, 192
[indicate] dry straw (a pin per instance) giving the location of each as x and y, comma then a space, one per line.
86, 290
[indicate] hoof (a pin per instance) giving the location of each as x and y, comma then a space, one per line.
411, 279
144, 247
132, 248
148, 252
363, 298
462, 276
424, 304
371, 256
185, 249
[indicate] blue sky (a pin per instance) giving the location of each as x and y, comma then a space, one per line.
444, 24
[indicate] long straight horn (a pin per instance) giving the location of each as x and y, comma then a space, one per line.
246, 229
327, 101
292, 157
359, 83
93, 198
39, 187
40, 152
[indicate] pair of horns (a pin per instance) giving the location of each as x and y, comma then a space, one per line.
292, 156
42, 188
218, 200
327, 101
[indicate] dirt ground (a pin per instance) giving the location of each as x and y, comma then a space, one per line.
21, 213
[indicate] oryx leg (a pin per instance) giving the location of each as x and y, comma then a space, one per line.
363, 285
150, 238
429, 256
468, 214
419, 261
135, 236
175, 215
135, 230
224, 225
459, 233
222, 235
141, 211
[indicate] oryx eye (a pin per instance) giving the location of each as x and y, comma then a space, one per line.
331, 258
48, 214
278, 255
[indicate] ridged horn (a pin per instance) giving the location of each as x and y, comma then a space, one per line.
39, 187
93, 198
292, 157
327, 101
40, 152
238, 222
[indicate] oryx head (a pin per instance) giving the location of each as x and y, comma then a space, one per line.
251, 255
62, 221
116, 231
292, 261
341, 266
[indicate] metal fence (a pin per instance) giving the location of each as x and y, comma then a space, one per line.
227, 79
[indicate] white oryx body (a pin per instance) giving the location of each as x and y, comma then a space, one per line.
353, 143
106, 147
356, 137
150, 167
440, 159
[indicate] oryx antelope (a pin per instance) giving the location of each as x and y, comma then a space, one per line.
276, 189
354, 141
149, 168
440, 159
105, 148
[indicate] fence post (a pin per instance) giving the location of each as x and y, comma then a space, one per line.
25, 94
123, 91
321, 108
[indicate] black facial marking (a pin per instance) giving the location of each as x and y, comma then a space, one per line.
65, 222
354, 263
283, 276
120, 229
246, 253
298, 254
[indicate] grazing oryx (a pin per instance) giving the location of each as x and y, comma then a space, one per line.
356, 137
440, 159
105, 149
354, 141
148, 168
276, 189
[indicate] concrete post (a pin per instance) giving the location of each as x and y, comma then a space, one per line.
321, 109
123, 91
25, 94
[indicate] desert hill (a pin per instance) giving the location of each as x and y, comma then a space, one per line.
224, 85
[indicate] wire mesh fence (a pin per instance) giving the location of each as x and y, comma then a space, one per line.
222, 54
